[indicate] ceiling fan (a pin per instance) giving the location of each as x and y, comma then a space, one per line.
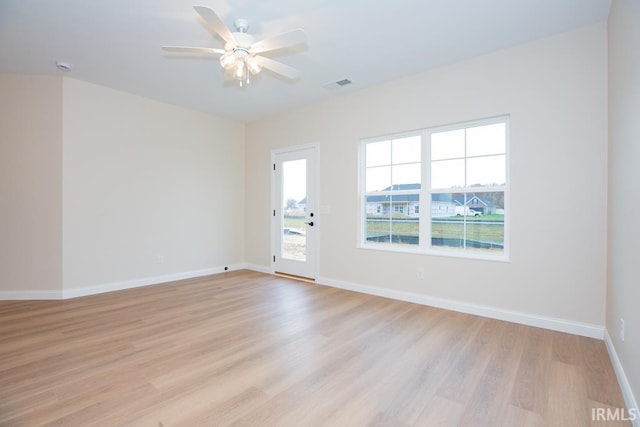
242, 54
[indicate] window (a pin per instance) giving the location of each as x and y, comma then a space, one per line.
392, 169
440, 190
398, 208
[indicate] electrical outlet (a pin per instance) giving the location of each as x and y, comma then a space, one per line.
622, 329
160, 259
420, 273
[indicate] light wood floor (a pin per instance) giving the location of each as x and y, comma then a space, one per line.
246, 348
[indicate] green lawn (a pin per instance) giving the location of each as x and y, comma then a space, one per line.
477, 229
297, 222
483, 218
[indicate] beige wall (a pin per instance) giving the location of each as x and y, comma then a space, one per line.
623, 290
30, 185
556, 93
150, 189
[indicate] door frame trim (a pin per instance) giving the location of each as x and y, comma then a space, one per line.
316, 200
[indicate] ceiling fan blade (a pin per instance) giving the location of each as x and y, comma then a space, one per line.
215, 23
278, 67
290, 38
193, 49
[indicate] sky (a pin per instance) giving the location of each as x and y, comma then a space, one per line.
398, 161
294, 180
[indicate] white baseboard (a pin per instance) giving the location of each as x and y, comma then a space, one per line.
29, 295
115, 286
147, 281
258, 268
561, 325
627, 393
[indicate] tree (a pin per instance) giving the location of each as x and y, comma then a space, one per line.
291, 204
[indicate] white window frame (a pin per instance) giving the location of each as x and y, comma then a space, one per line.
424, 246
362, 170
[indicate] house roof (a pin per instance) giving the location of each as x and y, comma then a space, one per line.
394, 199
457, 198
399, 197
480, 201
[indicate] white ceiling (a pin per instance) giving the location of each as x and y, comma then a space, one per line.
116, 43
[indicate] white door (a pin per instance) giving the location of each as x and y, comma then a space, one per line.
295, 217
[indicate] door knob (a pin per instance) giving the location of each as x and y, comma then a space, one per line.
310, 224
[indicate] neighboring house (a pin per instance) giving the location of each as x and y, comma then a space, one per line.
478, 204
398, 205
442, 204
302, 205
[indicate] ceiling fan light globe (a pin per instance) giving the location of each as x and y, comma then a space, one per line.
240, 73
254, 65
227, 60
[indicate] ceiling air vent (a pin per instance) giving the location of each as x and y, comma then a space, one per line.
336, 85
63, 66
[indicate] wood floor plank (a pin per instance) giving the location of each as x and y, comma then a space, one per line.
598, 371
516, 416
490, 399
250, 349
567, 402
532, 379
234, 407
375, 376
440, 412
471, 363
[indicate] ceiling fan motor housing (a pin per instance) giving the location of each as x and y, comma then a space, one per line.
243, 40
241, 24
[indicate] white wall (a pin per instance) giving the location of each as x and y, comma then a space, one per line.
623, 291
150, 189
556, 93
30, 186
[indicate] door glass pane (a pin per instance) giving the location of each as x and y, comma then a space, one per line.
294, 203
